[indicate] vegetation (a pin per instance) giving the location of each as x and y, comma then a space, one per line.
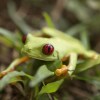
21, 78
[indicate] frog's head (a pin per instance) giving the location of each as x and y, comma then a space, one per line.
40, 48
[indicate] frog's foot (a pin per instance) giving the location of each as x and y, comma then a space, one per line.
95, 56
61, 71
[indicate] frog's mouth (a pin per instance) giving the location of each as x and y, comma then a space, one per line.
41, 56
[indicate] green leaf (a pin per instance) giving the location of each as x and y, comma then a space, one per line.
85, 39
51, 87
41, 74
10, 38
48, 20
87, 64
5, 41
75, 30
93, 80
8, 78
8, 34
17, 19
16, 79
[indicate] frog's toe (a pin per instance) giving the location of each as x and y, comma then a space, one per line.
61, 71
95, 56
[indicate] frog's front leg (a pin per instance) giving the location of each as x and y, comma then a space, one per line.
70, 68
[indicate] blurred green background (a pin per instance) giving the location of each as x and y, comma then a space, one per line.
79, 18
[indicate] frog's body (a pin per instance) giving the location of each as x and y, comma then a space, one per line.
74, 43
61, 47
64, 46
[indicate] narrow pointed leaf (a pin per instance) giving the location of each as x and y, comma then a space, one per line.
51, 87
41, 74
87, 64
8, 34
7, 79
48, 20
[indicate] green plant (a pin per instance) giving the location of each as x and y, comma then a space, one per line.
25, 74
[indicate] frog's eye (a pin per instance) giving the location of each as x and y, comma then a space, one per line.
48, 49
24, 38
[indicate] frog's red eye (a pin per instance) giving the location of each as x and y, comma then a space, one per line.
24, 38
47, 49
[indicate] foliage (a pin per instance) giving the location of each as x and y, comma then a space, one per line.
36, 76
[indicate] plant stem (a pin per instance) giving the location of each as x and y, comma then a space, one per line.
13, 65
50, 97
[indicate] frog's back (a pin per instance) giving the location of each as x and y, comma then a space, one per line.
69, 39
64, 47
56, 33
